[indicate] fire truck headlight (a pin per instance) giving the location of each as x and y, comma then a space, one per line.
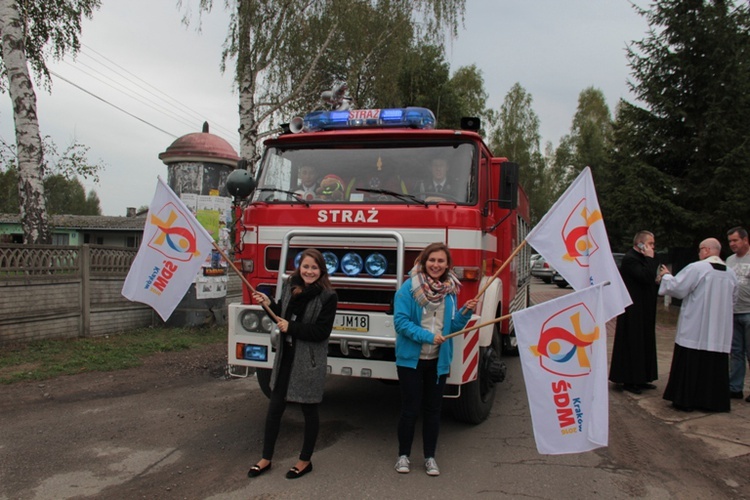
376, 264
332, 262
250, 321
351, 264
267, 324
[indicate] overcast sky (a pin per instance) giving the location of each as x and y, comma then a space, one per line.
553, 48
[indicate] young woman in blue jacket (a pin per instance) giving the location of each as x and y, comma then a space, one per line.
425, 312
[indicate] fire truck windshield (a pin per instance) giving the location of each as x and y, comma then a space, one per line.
395, 174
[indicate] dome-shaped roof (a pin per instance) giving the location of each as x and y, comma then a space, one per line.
200, 147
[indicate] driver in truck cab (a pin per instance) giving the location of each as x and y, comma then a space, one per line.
437, 182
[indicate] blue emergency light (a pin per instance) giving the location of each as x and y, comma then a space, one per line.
412, 117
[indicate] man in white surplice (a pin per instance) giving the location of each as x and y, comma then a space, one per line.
699, 375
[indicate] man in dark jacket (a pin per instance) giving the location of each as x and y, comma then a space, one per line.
634, 364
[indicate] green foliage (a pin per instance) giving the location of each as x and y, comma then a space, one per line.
517, 138
93, 206
637, 196
690, 137
63, 196
467, 84
67, 196
64, 193
52, 27
424, 78
9, 191
359, 43
589, 142
50, 358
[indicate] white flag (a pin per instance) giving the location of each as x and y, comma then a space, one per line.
563, 349
173, 248
572, 238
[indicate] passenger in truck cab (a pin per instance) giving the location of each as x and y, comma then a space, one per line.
425, 312
306, 313
308, 182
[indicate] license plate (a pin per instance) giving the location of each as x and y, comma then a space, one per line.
352, 323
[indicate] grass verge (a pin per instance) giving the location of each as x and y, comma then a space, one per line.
50, 358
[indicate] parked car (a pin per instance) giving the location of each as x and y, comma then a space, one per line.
534, 257
542, 270
558, 280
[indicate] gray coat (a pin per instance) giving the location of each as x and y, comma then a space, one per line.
308, 373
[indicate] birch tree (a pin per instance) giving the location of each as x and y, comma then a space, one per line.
29, 29
265, 35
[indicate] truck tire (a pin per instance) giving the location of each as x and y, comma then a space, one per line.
264, 380
477, 397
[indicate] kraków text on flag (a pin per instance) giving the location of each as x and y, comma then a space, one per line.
173, 248
572, 238
563, 348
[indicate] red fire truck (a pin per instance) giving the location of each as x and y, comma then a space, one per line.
371, 211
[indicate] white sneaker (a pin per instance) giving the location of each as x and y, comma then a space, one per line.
402, 465
431, 467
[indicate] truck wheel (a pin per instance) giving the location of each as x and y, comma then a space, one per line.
476, 400
264, 380
562, 284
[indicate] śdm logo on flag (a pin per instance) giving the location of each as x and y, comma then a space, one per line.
572, 238
563, 353
173, 248
564, 346
576, 233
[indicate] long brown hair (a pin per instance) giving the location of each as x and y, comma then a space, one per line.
323, 281
430, 249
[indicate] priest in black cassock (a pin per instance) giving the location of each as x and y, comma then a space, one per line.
634, 364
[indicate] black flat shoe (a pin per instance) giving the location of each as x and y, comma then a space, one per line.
294, 472
256, 471
631, 388
647, 386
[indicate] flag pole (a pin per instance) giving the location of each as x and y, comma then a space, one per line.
497, 273
496, 320
244, 280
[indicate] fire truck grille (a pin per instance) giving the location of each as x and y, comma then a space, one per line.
338, 258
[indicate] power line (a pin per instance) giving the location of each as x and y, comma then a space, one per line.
113, 105
130, 93
166, 97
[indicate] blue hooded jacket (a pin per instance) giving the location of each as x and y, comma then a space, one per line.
407, 319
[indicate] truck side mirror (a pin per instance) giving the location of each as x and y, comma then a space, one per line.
508, 186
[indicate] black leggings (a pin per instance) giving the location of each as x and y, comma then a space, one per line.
420, 388
276, 408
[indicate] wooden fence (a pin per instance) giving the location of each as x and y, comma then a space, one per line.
70, 291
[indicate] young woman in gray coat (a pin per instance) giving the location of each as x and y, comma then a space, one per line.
307, 311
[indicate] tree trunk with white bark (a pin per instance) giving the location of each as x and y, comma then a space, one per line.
34, 218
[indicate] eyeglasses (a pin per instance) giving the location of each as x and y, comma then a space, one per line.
702, 248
